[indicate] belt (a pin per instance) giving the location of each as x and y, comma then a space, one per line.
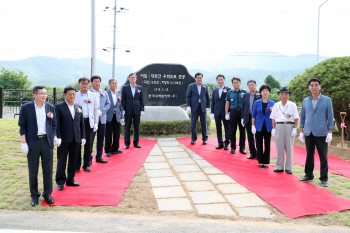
285, 122
236, 109
86, 118
41, 136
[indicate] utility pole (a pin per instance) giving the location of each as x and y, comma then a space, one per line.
93, 39
318, 31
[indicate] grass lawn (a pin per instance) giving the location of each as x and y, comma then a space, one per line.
139, 198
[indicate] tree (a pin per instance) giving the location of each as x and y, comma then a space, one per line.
334, 74
274, 83
211, 87
14, 79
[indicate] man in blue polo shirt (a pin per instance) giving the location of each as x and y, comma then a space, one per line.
234, 100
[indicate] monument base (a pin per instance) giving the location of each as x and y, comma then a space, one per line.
164, 113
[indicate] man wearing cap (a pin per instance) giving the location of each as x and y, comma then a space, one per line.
316, 122
285, 118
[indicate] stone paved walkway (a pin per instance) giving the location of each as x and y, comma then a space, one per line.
182, 180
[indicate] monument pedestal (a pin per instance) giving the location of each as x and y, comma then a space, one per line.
164, 113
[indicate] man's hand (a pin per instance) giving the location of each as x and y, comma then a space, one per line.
83, 141
329, 137
207, 109
301, 137
25, 148
273, 132
122, 122
142, 112
188, 109
294, 132
95, 127
242, 123
227, 117
212, 117
253, 129
99, 113
58, 141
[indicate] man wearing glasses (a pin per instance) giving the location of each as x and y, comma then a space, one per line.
234, 101
90, 104
37, 121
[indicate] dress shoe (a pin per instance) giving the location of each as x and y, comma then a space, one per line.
261, 166
204, 142
289, 172
101, 160
87, 169
232, 151
108, 154
60, 187
126, 147
266, 166
72, 184
117, 152
219, 147
137, 146
305, 178
193, 142
226, 147
324, 183
277, 170
251, 157
242, 151
35, 201
49, 200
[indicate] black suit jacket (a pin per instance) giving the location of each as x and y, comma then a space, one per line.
218, 104
29, 126
131, 103
67, 128
245, 105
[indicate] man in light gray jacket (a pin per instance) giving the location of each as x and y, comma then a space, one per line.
114, 119
316, 123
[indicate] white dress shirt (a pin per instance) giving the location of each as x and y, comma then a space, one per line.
71, 109
281, 113
132, 90
199, 88
114, 97
40, 118
220, 91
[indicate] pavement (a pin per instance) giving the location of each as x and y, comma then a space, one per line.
182, 180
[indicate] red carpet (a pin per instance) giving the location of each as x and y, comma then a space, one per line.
285, 192
106, 183
336, 165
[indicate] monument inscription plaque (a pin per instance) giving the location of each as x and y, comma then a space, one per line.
164, 84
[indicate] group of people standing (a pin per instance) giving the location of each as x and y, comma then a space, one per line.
73, 124
262, 117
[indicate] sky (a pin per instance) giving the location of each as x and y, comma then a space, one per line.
168, 31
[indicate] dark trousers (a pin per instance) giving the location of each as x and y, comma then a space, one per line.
218, 119
250, 135
203, 119
87, 146
135, 119
62, 152
322, 147
235, 119
100, 137
263, 139
112, 130
41, 149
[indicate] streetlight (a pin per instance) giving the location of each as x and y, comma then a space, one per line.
318, 32
122, 10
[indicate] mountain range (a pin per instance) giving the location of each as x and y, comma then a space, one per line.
52, 71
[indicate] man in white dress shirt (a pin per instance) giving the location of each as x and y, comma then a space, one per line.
285, 118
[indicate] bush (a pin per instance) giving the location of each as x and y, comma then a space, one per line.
168, 127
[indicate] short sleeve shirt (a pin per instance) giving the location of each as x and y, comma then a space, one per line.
235, 98
281, 113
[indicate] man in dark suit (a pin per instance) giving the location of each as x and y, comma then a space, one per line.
218, 112
246, 115
198, 102
114, 119
132, 102
71, 132
37, 121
